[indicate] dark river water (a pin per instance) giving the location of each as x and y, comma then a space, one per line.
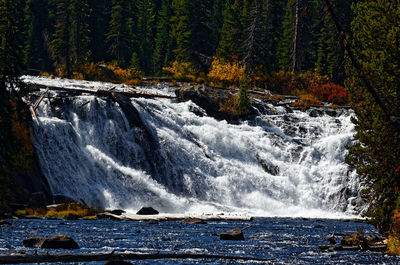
285, 240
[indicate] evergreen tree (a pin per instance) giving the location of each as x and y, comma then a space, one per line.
121, 32
217, 22
331, 55
80, 13
273, 19
146, 33
231, 42
285, 47
12, 44
38, 56
163, 41
71, 38
254, 44
99, 21
191, 30
12, 28
376, 152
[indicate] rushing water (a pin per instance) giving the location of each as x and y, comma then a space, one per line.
171, 156
285, 240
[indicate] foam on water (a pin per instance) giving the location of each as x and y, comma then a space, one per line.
281, 164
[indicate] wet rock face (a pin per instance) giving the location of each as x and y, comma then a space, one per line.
57, 242
210, 99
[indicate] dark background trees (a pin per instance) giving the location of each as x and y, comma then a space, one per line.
265, 34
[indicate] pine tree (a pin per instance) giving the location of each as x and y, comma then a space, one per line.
121, 31
231, 42
191, 30
146, 34
60, 45
299, 43
37, 53
13, 41
273, 21
163, 42
217, 22
12, 44
331, 55
71, 38
376, 151
285, 46
98, 26
254, 44
80, 13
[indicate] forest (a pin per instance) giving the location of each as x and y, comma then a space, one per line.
285, 46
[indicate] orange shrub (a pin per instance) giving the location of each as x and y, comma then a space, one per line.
226, 72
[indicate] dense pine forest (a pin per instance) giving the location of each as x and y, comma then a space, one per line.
148, 35
285, 46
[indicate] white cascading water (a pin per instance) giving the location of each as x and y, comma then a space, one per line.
284, 163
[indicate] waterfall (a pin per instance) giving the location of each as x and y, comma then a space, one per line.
119, 153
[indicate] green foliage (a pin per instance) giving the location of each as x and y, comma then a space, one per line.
12, 21
146, 34
230, 45
12, 41
376, 152
190, 31
285, 46
163, 41
98, 26
37, 53
70, 44
121, 30
244, 99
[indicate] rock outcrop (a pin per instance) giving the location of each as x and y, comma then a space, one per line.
56, 242
147, 211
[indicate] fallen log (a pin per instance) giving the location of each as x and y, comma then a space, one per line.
43, 258
133, 93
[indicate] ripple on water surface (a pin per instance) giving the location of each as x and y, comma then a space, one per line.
287, 241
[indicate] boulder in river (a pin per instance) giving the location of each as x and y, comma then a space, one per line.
147, 211
234, 234
56, 242
117, 212
192, 221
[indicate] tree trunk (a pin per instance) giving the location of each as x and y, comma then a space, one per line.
298, 43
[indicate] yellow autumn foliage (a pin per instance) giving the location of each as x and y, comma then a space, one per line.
226, 72
182, 71
393, 242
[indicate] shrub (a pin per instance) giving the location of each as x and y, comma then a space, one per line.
393, 243
331, 92
239, 104
110, 72
306, 101
226, 72
183, 71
